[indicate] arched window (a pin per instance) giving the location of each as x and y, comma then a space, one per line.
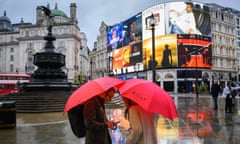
27, 34
169, 76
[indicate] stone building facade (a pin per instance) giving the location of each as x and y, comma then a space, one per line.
20, 41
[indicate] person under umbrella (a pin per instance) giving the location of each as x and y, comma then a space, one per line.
142, 129
95, 119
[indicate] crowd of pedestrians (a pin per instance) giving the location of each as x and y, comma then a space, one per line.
229, 93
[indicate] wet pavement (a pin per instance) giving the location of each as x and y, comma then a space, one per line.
198, 123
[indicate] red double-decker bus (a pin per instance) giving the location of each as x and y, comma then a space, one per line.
8, 82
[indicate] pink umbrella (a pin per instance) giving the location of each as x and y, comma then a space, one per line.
150, 97
91, 89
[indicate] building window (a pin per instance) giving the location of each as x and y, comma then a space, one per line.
221, 63
30, 56
11, 68
61, 44
12, 38
65, 31
36, 33
30, 45
54, 31
11, 49
27, 34
11, 58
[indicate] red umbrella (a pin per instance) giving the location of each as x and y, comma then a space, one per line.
91, 89
150, 96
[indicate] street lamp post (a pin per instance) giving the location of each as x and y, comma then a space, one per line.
152, 24
91, 63
197, 87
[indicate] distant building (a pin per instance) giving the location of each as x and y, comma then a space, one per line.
99, 57
224, 48
20, 41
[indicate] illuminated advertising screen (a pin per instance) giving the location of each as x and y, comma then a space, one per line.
194, 51
132, 30
158, 13
127, 56
114, 37
165, 51
187, 18
182, 37
125, 33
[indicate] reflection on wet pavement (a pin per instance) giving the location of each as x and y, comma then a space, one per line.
24, 118
195, 125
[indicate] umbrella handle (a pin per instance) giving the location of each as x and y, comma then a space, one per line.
115, 125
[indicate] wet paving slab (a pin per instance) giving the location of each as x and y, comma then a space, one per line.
198, 123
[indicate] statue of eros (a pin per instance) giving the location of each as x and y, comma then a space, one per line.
50, 21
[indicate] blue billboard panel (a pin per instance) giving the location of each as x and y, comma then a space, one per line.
114, 37
132, 30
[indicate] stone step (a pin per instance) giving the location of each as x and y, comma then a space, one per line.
38, 102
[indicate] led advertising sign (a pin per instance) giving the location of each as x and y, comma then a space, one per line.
194, 51
182, 37
187, 18
114, 37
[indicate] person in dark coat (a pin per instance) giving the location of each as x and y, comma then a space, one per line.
96, 121
215, 88
234, 94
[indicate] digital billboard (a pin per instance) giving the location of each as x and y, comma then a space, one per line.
182, 37
158, 13
125, 33
127, 56
187, 18
194, 51
114, 37
165, 51
132, 29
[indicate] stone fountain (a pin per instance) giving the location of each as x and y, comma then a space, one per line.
49, 88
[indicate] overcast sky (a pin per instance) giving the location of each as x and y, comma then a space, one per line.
90, 13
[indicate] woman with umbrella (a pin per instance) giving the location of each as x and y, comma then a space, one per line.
142, 99
142, 129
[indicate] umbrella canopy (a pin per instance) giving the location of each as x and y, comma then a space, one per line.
150, 97
91, 89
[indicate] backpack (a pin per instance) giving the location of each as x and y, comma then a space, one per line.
75, 117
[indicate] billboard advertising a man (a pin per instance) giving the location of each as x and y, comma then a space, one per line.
187, 18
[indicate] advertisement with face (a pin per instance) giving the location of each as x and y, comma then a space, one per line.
187, 18
129, 50
132, 30
114, 37
127, 56
194, 51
